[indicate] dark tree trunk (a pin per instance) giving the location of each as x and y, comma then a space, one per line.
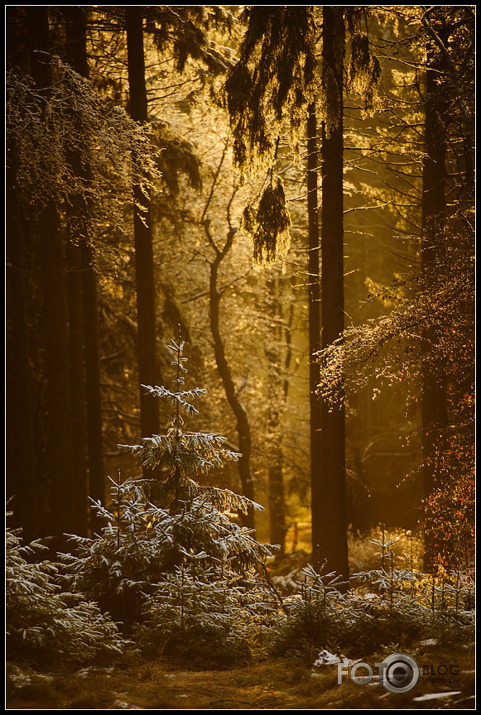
20, 445
77, 57
92, 372
314, 328
77, 384
434, 398
58, 404
277, 502
243, 428
144, 259
333, 507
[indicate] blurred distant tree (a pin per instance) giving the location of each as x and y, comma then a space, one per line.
278, 351
220, 252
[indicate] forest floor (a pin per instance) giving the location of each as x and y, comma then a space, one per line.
280, 684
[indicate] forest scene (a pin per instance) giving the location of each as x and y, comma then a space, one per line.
240, 357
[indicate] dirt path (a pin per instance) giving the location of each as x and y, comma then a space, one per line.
282, 684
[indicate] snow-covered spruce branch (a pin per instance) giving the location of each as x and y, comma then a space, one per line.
192, 452
179, 397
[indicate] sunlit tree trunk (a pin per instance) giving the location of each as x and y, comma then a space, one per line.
232, 395
314, 328
277, 387
58, 404
332, 495
144, 259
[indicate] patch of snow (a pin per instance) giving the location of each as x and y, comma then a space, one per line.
327, 658
18, 677
436, 696
90, 670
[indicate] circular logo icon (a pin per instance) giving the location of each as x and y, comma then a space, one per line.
399, 673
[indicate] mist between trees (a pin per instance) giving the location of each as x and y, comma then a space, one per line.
288, 193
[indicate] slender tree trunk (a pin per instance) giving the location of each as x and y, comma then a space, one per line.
58, 403
243, 428
333, 543
277, 398
434, 402
144, 259
77, 57
20, 445
314, 330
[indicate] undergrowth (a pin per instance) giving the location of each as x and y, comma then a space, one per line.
171, 568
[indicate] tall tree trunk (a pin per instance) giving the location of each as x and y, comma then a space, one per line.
76, 35
243, 427
333, 507
77, 383
92, 373
144, 258
58, 404
314, 329
434, 403
277, 387
20, 444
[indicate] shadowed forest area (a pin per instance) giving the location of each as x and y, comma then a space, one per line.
240, 356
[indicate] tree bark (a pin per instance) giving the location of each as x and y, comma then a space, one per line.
243, 427
277, 397
20, 444
333, 507
434, 397
58, 403
144, 258
76, 36
77, 384
314, 327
